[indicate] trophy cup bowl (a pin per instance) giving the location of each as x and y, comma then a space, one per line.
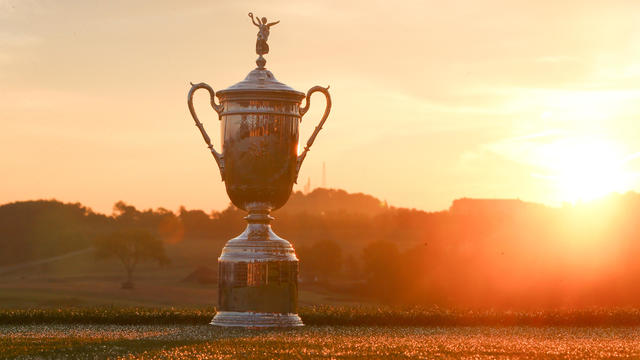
259, 163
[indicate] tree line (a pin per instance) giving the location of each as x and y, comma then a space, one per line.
478, 253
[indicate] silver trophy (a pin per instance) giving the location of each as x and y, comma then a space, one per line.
259, 163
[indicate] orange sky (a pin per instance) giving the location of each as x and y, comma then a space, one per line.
431, 100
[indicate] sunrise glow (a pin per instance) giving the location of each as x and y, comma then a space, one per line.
462, 102
586, 169
393, 179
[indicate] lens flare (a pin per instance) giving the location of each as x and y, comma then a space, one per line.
586, 169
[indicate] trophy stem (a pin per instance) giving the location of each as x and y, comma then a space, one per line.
258, 277
261, 62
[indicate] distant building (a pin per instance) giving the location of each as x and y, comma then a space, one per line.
467, 206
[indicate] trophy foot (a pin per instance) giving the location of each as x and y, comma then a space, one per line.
255, 319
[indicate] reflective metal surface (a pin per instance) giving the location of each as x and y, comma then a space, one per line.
259, 142
256, 319
260, 120
262, 47
258, 278
259, 164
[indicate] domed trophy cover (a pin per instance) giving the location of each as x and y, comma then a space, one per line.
259, 163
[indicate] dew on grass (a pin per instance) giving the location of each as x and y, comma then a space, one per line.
337, 342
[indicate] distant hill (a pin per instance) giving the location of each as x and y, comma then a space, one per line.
38, 229
322, 201
469, 206
34, 230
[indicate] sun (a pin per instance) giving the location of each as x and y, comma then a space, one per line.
574, 167
586, 169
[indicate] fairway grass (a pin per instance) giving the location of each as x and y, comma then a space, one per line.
327, 315
330, 342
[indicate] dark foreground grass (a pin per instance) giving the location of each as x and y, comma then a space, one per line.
72, 341
329, 315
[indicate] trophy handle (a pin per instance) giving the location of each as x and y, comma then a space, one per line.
303, 111
218, 108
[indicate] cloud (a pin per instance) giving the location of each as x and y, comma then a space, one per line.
43, 99
14, 40
6, 8
12, 48
528, 149
555, 59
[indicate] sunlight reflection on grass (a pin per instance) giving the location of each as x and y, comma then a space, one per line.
204, 341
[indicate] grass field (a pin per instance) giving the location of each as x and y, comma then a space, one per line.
75, 309
354, 333
329, 342
82, 281
329, 315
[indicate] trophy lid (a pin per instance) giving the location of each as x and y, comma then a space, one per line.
260, 80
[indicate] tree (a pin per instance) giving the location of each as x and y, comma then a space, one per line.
131, 246
382, 265
321, 261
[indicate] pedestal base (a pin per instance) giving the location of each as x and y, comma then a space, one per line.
258, 278
254, 319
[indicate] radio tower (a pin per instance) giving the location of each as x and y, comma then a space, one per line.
307, 188
324, 175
